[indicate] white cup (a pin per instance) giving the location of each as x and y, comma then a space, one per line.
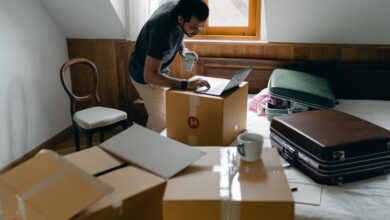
250, 146
189, 61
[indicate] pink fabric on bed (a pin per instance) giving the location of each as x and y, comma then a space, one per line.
257, 103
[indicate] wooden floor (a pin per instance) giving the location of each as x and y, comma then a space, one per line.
66, 146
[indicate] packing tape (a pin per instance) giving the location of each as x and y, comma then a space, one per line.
230, 210
194, 104
230, 188
193, 110
67, 168
192, 140
117, 203
1, 209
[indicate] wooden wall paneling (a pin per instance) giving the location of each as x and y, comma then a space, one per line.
271, 52
383, 55
316, 53
285, 53
301, 53
241, 51
349, 54
367, 54
104, 57
257, 51
213, 50
126, 90
331, 53
81, 75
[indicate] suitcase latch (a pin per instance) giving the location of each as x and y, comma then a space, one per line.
339, 155
289, 153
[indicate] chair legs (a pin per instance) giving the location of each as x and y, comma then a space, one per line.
89, 138
89, 134
101, 136
76, 138
124, 124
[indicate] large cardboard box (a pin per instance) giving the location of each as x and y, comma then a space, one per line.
137, 194
48, 187
204, 120
219, 187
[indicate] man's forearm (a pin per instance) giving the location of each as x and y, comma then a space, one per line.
159, 79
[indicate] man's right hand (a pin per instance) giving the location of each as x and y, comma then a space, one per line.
195, 83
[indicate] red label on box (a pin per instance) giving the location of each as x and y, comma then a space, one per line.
193, 122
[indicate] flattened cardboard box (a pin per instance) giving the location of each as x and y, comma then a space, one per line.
208, 190
48, 187
205, 120
151, 151
140, 192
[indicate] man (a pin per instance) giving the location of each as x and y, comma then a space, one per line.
157, 44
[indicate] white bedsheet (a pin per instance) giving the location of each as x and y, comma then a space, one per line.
367, 199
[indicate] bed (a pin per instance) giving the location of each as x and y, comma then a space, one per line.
366, 199
361, 90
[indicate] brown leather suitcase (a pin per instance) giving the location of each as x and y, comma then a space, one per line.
332, 147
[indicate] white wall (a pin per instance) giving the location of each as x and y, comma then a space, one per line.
138, 14
120, 7
328, 21
90, 19
34, 106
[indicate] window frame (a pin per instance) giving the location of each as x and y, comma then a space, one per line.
252, 32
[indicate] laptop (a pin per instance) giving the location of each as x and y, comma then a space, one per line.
218, 88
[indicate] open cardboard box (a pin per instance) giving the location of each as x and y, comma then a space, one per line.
212, 188
137, 194
206, 189
48, 187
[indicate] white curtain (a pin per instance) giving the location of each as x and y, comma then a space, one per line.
139, 12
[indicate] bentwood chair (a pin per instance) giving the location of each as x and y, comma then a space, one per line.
92, 119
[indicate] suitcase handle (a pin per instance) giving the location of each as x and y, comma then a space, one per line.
289, 153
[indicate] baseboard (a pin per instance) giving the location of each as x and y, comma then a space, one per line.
45, 145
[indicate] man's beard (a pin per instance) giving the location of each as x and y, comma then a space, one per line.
184, 31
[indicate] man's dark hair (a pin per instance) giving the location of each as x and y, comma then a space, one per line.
189, 8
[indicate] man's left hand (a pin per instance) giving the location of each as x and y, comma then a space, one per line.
187, 51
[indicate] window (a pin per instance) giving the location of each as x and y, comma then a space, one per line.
233, 19
229, 19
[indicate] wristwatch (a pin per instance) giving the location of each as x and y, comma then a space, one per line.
183, 84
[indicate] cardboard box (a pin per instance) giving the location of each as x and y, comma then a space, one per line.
204, 120
140, 191
211, 189
48, 187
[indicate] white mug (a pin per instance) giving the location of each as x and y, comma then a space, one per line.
250, 146
189, 61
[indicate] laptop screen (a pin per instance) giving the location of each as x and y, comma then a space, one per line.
238, 78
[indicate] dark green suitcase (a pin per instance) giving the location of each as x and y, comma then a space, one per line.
302, 91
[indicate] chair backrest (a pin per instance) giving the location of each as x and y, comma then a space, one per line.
74, 98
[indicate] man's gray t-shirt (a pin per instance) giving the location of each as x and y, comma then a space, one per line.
159, 38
